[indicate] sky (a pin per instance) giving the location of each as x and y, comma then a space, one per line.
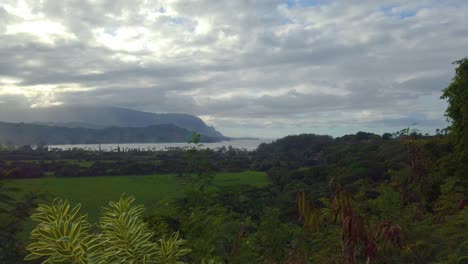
264, 68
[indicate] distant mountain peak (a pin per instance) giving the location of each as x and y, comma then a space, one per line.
105, 116
20, 134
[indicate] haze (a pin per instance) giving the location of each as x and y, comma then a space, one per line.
250, 68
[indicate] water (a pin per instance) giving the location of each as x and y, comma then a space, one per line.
248, 144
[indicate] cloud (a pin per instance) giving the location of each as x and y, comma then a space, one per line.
261, 68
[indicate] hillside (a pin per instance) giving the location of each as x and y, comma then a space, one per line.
32, 134
102, 117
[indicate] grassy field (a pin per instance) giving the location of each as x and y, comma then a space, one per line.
155, 192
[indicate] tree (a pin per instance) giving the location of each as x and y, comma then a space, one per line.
199, 167
457, 111
386, 136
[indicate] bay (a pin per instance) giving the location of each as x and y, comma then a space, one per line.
248, 144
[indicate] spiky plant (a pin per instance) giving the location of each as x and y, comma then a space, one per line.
125, 237
61, 236
170, 249
211, 261
64, 236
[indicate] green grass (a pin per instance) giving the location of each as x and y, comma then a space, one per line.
155, 192
81, 163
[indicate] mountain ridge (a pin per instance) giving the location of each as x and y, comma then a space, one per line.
102, 117
20, 134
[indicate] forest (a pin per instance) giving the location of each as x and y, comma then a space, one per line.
363, 198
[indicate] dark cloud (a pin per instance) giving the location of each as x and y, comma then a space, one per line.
244, 66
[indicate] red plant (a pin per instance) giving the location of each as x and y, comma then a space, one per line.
358, 236
308, 214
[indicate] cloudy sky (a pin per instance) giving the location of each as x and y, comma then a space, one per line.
251, 68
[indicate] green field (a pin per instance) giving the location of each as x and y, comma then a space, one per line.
155, 192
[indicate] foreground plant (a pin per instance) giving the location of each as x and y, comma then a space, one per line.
64, 236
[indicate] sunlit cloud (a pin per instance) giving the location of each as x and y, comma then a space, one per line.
45, 31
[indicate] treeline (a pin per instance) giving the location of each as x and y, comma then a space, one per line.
291, 152
372, 155
31, 163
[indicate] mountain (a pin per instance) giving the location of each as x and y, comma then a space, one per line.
33, 134
102, 117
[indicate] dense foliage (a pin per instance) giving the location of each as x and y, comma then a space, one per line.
12, 214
